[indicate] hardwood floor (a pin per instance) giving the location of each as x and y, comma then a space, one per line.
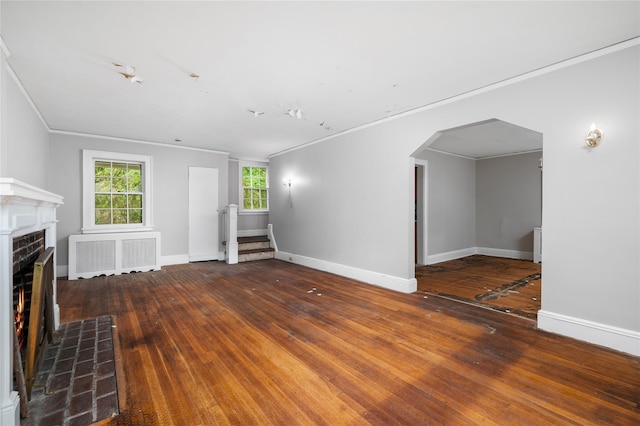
506, 285
275, 343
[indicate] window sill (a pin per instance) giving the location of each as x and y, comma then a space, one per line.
250, 213
115, 230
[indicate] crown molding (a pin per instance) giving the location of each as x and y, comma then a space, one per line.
138, 141
4, 47
484, 89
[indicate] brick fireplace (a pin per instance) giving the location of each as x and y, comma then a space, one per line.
27, 216
26, 250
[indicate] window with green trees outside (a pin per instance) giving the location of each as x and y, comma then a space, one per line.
118, 193
255, 189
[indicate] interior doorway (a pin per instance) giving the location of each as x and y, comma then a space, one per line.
477, 183
420, 212
203, 214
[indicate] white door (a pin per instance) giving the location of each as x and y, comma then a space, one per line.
203, 214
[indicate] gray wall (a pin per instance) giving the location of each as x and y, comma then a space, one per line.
246, 221
348, 203
170, 186
24, 146
354, 203
508, 201
451, 202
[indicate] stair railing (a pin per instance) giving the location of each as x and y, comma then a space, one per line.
231, 234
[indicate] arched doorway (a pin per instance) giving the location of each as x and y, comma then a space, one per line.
479, 198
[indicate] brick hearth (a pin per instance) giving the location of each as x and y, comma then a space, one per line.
76, 384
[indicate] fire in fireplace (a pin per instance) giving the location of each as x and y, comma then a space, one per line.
26, 250
21, 329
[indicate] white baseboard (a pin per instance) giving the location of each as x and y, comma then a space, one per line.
612, 337
10, 414
62, 270
511, 254
177, 259
252, 232
487, 251
450, 255
402, 285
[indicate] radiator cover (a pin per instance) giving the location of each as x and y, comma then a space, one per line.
92, 255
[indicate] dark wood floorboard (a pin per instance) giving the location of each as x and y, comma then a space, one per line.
270, 342
506, 285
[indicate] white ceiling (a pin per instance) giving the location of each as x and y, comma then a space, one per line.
344, 64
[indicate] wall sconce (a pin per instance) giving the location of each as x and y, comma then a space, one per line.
287, 182
594, 137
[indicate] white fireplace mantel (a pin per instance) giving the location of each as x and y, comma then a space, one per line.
24, 209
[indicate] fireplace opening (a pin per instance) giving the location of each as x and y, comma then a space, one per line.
26, 250
22, 289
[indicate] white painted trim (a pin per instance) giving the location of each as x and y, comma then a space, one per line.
89, 157
488, 88
255, 160
13, 189
612, 337
452, 154
255, 164
177, 259
15, 78
115, 138
486, 251
489, 157
511, 154
510, 254
203, 257
253, 232
4, 48
402, 285
11, 409
450, 255
424, 260
272, 237
62, 271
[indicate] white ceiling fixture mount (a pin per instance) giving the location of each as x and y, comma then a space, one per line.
294, 112
255, 113
129, 73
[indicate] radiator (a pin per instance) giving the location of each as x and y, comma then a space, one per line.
91, 255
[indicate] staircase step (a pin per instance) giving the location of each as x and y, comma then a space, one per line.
253, 243
252, 239
254, 248
256, 245
255, 254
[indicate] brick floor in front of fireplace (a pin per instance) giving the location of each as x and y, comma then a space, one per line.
76, 384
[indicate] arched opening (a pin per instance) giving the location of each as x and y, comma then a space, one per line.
478, 200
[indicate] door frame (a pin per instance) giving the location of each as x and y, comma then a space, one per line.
422, 228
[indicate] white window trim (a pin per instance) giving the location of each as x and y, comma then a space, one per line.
88, 200
241, 209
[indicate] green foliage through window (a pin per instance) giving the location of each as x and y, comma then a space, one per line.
118, 193
255, 188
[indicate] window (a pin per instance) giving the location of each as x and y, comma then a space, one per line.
254, 188
117, 192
